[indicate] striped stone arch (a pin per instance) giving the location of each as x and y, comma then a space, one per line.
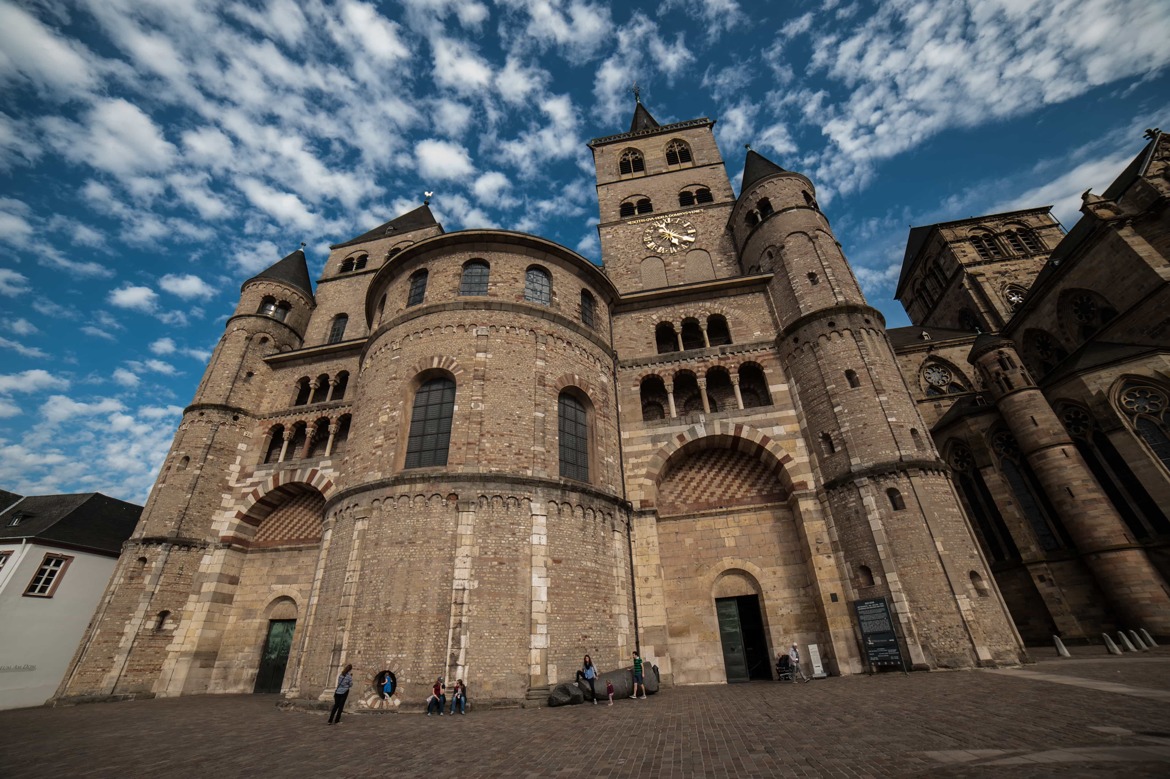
573, 380
440, 362
720, 434
277, 488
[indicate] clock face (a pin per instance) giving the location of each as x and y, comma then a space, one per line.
669, 234
938, 375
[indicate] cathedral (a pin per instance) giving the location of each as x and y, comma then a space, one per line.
478, 455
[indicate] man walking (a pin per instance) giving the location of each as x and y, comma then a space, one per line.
794, 661
638, 682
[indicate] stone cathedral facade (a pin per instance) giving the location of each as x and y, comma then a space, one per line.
478, 455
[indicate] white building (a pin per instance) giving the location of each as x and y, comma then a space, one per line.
57, 553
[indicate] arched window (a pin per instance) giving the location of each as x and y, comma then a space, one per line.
1086, 312
703, 195
304, 391
688, 398
627, 209
986, 246
347, 265
161, 620
275, 444
418, 288
340, 385
631, 162
538, 286
720, 390
678, 153
573, 437
380, 309
267, 306
827, 445
1031, 241
718, 333
1014, 242
692, 334
752, 218
1014, 295
989, 524
916, 437
430, 424
896, 501
318, 438
764, 206
281, 312
655, 403
980, 586
337, 329
321, 390
360, 262
183, 463
808, 200
864, 576
813, 279
296, 446
341, 438
1042, 353
686, 198
940, 379
753, 386
588, 309
1145, 405
643, 206
393, 252
475, 278
665, 338
851, 377
969, 320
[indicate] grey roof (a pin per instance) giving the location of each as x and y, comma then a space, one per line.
756, 167
412, 220
904, 337
293, 270
87, 520
642, 119
8, 498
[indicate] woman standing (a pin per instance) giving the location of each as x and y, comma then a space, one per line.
588, 672
344, 682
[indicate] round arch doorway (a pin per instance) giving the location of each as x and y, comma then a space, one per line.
742, 633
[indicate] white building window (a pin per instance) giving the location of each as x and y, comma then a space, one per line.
48, 576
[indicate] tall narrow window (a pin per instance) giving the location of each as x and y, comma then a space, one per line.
588, 309
703, 195
764, 206
337, 329
896, 501
430, 424
851, 377
418, 288
475, 278
573, 429
686, 198
627, 209
47, 578
360, 262
538, 286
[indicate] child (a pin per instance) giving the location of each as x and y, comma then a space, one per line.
609, 690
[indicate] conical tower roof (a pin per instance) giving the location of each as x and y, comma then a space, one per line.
412, 220
642, 119
293, 270
756, 167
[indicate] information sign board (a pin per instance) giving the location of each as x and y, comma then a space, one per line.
877, 633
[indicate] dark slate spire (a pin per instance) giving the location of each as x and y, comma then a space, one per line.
756, 167
293, 270
412, 220
642, 119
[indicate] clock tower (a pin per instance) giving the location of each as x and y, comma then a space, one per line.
665, 199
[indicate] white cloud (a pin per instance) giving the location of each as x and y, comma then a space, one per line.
163, 346
579, 28
715, 16
21, 349
126, 378
1063, 192
9, 409
31, 50
83, 268
377, 37
13, 283
553, 136
186, 285
283, 206
21, 326
116, 136
35, 380
629, 62
458, 67
442, 160
14, 225
491, 188
134, 297
452, 117
516, 82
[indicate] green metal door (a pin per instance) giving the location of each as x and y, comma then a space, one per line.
731, 634
275, 656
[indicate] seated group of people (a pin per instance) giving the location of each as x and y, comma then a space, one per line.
438, 697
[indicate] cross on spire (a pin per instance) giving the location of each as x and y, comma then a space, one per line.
637, 90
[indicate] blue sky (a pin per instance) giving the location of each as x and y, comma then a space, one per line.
156, 153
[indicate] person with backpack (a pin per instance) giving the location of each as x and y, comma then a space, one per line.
344, 682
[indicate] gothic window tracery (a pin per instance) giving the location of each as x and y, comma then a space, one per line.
986, 246
1029, 494
630, 162
941, 379
981, 506
1014, 295
678, 153
1042, 352
1085, 312
1145, 407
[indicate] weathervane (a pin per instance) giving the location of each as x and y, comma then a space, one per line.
427, 198
748, 146
637, 90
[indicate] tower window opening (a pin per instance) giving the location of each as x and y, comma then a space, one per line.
347, 265
588, 309
337, 328
764, 206
339, 385
686, 198
475, 278
814, 279
430, 424
573, 437
631, 162
665, 338
753, 386
161, 620
752, 218
703, 195
896, 501
864, 576
360, 262
986, 246
692, 334
652, 393
851, 377
321, 390
304, 391
643, 206
678, 153
827, 444
281, 312
538, 286
418, 288
275, 443
627, 209
718, 333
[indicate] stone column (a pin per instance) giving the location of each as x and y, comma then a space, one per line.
333, 427
703, 395
670, 398
332, 386
1126, 577
286, 438
738, 394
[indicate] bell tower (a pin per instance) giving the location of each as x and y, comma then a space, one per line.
664, 200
